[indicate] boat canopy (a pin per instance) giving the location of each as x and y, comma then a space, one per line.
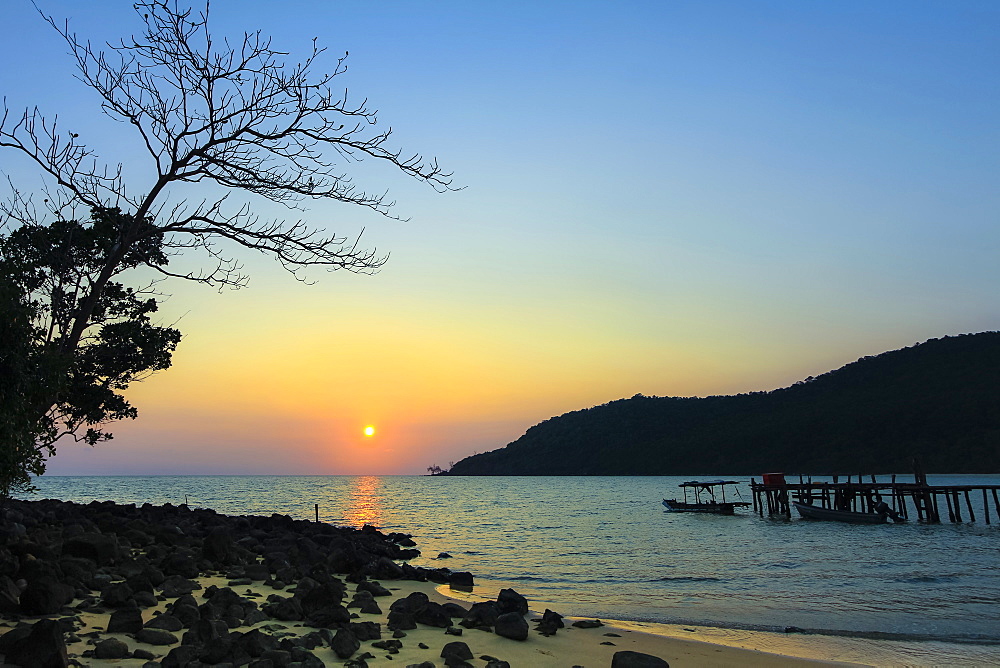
708, 483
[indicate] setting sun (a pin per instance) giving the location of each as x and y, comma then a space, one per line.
369, 430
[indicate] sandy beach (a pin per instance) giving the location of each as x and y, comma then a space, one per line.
570, 646
186, 587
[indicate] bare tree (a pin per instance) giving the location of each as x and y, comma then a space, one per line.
226, 112
233, 114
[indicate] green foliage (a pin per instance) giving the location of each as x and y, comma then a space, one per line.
64, 370
936, 402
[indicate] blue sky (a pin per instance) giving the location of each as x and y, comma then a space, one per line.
672, 198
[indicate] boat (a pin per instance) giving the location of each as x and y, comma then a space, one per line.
812, 512
709, 504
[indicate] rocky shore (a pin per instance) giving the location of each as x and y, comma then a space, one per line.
171, 586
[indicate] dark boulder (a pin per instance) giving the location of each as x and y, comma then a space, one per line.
219, 546
101, 549
454, 610
628, 659
43, 647
156, 637
481, 615
365, 631
512, 625
45, 596
433, 614
111, 648
461, 579
550, 623
177, 585
344, 644
117, 595
456, 650
10, 594
254, 643
510, 601
400, 621
125, 620
166, 621
180, 657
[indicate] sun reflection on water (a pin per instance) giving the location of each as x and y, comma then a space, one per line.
365, 502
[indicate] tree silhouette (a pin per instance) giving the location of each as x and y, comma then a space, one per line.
225, 112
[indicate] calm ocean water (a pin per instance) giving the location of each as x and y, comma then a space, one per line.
604, 547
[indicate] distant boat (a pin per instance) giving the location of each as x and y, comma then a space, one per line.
708, 505
819, 513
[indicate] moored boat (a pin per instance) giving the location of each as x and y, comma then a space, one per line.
708, 505
819, 513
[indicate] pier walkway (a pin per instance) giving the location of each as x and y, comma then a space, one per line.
929, 503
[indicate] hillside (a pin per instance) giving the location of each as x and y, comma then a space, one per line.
938, 401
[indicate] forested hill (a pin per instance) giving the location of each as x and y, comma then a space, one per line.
938, 401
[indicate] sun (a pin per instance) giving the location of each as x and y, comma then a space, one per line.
369, 431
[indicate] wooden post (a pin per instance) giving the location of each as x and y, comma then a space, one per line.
958, 509
947, 498
968, 504
317, 512
986, 506
996, 502
937, 513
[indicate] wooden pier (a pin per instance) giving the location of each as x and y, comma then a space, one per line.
928, 503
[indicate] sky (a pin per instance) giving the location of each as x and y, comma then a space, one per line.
665, 198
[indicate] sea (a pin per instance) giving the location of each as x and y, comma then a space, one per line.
604, 547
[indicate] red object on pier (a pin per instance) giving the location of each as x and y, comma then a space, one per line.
774, 478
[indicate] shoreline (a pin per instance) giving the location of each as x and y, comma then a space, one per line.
808, 646
68, 571
269, 565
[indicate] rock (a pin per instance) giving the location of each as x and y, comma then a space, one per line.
453, 631
588, 623
156, 637
111, 648
175, 585
481, 615
145, 655
391, 646
45, 596
374, 588
433, 614
117, 595
461, 579
443, 555
9, 595
180, 657
510, 601
219, 546
166, 621
497, 663
511, 625
628, 659
456, 650
43, 647
257, 572
550, 623
344, 644
401, 621
125, 620
454, 610
370, 607
101, 549
364, 631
